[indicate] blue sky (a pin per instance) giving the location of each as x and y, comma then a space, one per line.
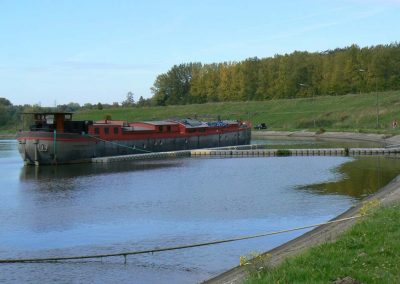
97, 51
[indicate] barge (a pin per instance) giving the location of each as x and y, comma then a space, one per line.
54, 138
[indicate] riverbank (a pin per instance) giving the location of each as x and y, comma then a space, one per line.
390, 194
385, 139
366, 253
353, 112
7, 136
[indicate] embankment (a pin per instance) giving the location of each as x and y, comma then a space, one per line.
371, 137
7, 136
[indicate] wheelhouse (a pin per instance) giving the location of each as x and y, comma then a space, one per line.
60, 121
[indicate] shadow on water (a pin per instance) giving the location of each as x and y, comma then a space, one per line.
360, 177
81, 170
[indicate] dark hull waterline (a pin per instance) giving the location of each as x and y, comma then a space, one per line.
49, 148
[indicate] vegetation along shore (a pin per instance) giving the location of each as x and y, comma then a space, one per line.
338, 89
367, 253
354, 112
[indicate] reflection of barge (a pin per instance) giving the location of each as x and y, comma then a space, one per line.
56, 138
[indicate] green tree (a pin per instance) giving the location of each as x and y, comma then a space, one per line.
141, 102
129, 101
173, 87
331, 72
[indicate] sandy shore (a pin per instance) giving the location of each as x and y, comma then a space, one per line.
325, 233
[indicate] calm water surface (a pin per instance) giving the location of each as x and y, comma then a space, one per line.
95, 209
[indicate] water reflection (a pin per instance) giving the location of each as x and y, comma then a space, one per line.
81, 170
360, 177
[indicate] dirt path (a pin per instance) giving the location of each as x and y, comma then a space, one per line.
325, 233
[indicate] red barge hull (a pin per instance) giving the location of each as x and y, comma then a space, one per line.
55, 139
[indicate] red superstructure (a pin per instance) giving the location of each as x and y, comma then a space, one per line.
121, 130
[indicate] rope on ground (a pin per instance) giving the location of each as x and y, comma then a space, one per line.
120, 145
125, 254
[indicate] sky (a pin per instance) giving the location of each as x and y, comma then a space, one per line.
57, 52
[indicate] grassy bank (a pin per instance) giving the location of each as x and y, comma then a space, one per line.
342, 113
353, 113
368, 253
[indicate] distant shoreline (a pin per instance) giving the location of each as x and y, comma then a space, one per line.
7, 136
382, 138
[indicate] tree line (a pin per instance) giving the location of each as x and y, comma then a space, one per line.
297, 75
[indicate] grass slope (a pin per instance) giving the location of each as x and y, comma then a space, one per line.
345, 113
369, 253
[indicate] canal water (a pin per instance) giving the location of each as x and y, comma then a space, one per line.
98, 209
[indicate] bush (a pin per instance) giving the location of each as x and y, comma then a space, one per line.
283, 153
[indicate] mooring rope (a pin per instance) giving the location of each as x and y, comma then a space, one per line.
125, 254
120, 145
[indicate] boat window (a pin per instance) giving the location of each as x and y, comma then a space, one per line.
115, 130
39, 117
168, 128
202, 130
67, 117
50, 119
96, 130
192, 130
106, 130
160, 128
